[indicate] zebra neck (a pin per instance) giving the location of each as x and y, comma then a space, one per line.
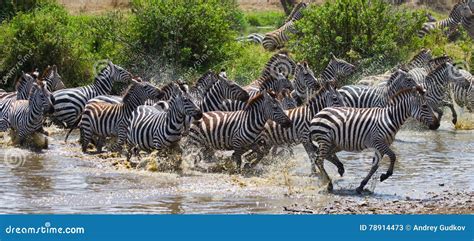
328, 74
314, 105
131, 103
175, 115
398, 113
103, 82
212, 100
255, 116
35, 108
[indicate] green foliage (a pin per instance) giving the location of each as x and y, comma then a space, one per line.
183, 31
49, 35
247, 63
265, 18
365, 31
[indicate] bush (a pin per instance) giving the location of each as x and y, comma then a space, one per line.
183, 32
265, 18
49, 35
369, 30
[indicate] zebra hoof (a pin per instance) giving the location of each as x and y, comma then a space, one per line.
383, 177
455, 121
359, 190
341, 171
330, 187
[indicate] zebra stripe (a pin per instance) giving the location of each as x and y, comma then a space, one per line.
468, 18
304, 82
52, 78
27, 116
451, 23
237, 130
356, 129
277, 39
69, 103
335, 70
463, 91
151, 129
105, 120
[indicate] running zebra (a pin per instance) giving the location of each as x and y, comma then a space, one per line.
335, 71
105, 120
69, 103
151, 129
27, 116
253, 38
449, 25
356, 129
53, 79
277, 39
378, 96
436, 86
238, 130
275, 135
468, 19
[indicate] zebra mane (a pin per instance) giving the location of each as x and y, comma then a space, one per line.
437, 69
129, 91
46, 72
259, 97
436, 62
418, 89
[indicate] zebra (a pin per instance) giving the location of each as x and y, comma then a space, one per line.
337, 129
451, 23
436, 84
104, 119
23, 86
70, 102
304, 81
378, 96
468, 18
463, 91
277, 39
151, 129
275, 135
27, 116
237, 130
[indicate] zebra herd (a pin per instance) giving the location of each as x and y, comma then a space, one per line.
286, 106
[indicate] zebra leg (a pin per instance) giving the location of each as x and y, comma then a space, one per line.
85, 139
312, 151
99, 144
335, 160
259, 156
389, 173
453, 111
373, 169
237, 157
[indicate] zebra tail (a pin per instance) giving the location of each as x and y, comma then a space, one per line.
74, 126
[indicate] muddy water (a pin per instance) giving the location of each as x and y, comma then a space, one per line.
62, 180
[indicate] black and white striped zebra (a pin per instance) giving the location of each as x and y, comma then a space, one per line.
252, 38
449, 24
276, 135
52, 78
26, 117
69, 103
436, 86
238, 130
355, 129
335, 71
112, 120
286, 100
151, 129
378, 96
467, 20
277, 39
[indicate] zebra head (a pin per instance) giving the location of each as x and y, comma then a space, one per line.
231, 90
421, 110
273, 110
434, 63
467, 9
39, 94
304, 79
118, 74
341, 67
186, 105
400, 80
420, 59
23, 86
53, 80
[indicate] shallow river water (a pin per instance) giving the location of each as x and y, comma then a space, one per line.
62, 180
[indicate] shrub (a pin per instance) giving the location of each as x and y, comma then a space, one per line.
369, 30
265, 18
182, 32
